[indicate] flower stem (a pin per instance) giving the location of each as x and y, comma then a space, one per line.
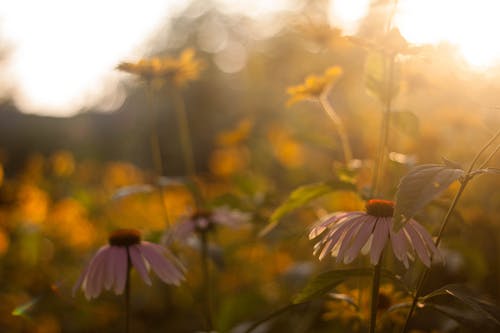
184, 132
378, 170
156, 151
344, 140
127, 295
206, 280
374, 300
154, 138
467, 177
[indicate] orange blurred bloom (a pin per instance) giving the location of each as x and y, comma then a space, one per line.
179, 71
313, 85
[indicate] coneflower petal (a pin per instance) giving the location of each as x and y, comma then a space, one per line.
138, 262
426, 238
120, 269
90, 285
165, 270
380, 234
349, 235
109, 278
364, 233
418, 244
336, 237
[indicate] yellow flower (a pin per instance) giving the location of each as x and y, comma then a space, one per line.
314, 85
178, 71
356, 316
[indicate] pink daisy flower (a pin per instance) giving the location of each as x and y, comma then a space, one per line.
110, 265
203, 221
345, 234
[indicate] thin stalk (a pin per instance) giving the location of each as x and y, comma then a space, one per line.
463, 184
378, 170
154, 137
156, 151
344, 140
127, 295
206, 280
184, 132
488, 159
375, 291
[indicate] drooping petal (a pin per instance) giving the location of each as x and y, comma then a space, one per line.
334, 237
162, 267
361, 238
101, 273
183, 229
349, 235
330, 221
109, 278
120, 270
399, 246
81, 279
93, 284
429, 243
380, 235
138, 262
418, 244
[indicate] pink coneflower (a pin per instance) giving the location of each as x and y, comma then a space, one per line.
345, 234
204, 221
110, 265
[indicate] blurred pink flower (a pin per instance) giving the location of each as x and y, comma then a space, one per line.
205, 221
345, 234
109, 266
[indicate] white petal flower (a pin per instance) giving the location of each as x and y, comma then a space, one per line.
345, 234
108, 268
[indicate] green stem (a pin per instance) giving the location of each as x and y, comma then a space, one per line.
184, 132
378, 170
127, 295
206, 280
344, 140
156, 150
154, 137
463, 184
374, 300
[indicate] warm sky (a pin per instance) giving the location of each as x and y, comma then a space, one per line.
62, 53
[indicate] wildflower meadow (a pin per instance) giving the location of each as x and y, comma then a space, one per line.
309, 179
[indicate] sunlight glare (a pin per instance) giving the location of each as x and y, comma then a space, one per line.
347, 14
64, 52
470, 25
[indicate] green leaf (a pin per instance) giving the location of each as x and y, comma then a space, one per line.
483, 309
323, 283
465, 318
303, 195
419, 187
405, 121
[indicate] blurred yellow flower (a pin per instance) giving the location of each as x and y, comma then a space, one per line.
237, 135
118, 174
68, 221
313, 85
63, 163
227, 161
32, 204
287, 150
158, 70
4, 242
357, 317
